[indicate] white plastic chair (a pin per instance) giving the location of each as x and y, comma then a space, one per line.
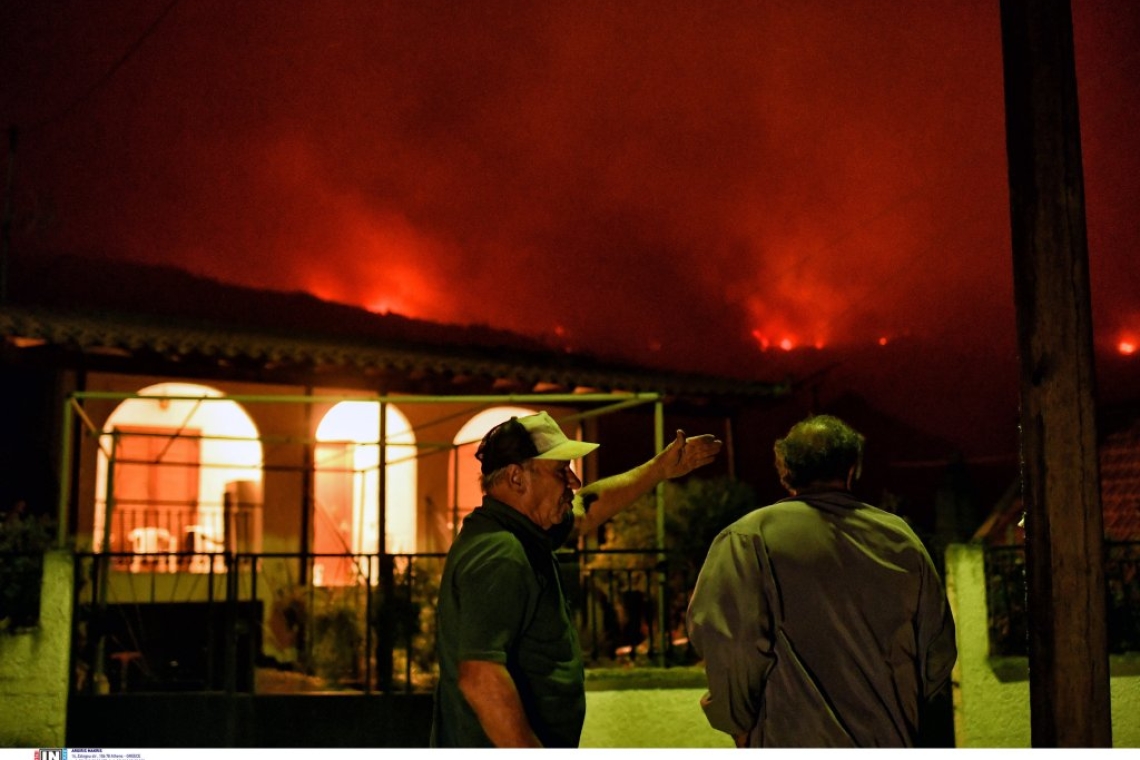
153, 545
206, 545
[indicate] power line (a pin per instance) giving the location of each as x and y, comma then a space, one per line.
118, 64
13, 132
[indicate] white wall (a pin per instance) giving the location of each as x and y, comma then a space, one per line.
33, 666
991, 713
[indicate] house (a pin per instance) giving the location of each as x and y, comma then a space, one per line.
107, 333
253, 481
1003, 537
987, 580
1118, 457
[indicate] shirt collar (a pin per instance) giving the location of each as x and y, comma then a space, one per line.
521, 525
827, 498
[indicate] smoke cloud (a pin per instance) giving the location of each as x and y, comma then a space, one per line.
673, 182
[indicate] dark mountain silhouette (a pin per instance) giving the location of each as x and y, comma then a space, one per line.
87, 284
154, 307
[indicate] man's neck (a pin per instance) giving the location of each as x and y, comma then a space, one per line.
506, 496
820, 486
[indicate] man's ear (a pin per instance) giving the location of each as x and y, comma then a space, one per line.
852, 476
516, 479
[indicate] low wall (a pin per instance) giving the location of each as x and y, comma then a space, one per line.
34, 665
991, 695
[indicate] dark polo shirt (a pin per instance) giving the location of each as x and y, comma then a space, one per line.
501, 601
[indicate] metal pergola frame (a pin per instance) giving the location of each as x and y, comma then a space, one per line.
611, 402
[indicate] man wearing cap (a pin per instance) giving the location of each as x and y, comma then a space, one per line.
510, 667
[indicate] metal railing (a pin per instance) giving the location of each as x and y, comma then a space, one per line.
258, 623
146, 532
1007, 608
617, 603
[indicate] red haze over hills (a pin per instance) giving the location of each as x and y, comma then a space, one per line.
681, 184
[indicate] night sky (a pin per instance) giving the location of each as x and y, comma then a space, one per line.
689, 185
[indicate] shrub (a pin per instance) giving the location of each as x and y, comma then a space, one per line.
22, 546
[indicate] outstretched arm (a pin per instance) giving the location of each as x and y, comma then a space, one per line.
608, 496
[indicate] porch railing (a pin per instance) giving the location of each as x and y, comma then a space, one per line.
143, 528
259, 623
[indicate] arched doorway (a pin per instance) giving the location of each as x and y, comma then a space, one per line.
178, 474
346, 517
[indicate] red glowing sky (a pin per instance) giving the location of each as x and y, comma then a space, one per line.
675, 182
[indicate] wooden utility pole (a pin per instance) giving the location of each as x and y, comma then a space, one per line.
1068, 658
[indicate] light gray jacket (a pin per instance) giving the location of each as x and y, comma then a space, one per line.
823, 623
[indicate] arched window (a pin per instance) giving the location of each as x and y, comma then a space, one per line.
186, 476
346, 517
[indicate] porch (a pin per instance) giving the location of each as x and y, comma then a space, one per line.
263, 624
246, 654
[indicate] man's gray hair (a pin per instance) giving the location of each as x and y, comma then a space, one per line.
488, 481
818, 449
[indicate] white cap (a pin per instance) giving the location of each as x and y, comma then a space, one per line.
550, 441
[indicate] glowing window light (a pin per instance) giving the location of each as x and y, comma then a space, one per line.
348, 451
883, 341
787, 344
1126, 347
229, 451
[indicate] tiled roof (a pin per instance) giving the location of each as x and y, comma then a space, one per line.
126, 314
1119, 456
127, 337
1120, 483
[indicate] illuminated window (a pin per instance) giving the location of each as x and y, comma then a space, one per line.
186, 478
346, 517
